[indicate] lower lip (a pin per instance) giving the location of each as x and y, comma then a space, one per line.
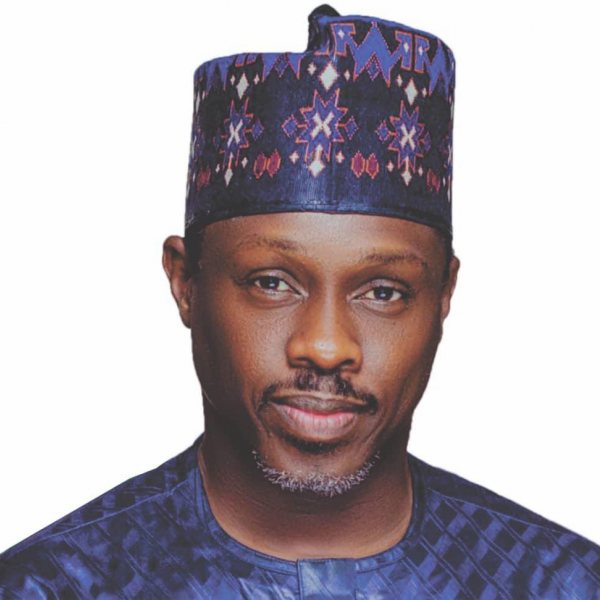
318, 424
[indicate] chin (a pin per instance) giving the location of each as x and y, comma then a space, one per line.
325, 469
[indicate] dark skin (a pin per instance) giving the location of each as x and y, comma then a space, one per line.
337, 304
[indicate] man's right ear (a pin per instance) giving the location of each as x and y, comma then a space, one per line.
175, 263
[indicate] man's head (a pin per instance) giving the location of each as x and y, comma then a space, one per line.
317, 266
329, 313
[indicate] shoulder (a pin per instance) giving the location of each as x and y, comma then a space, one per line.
98, 536
505, 536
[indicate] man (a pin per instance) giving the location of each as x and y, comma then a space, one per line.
315, 275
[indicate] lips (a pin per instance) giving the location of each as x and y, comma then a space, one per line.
318, 417
322, 405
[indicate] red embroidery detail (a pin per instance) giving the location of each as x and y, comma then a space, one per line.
433, 181
269, 164
260, 165
372, 167
274, 163
358, 164
203, 178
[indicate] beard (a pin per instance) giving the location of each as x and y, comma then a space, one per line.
321, 484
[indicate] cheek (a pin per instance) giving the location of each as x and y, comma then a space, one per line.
400, 344
236, 350
401, 353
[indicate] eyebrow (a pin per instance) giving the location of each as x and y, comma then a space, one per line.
270, 242
374, 256
386, 258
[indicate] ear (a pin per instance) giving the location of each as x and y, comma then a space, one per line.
449, 286
175, 262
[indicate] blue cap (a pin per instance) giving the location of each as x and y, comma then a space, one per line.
359, 123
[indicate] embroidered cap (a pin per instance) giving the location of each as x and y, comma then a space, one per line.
359, 123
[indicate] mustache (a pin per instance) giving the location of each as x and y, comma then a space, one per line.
311, 381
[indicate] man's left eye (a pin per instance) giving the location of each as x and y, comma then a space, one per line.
385, 293
269, 282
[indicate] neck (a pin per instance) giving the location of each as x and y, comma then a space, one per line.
365, 520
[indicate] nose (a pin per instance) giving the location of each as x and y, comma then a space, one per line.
324, 338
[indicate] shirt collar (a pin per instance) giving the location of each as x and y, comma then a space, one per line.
367, 563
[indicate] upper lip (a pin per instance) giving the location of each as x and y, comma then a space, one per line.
320, 403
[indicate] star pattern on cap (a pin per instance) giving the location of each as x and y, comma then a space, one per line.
236, 127
321, 128
409, 138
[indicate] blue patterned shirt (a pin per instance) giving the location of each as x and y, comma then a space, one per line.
155, 536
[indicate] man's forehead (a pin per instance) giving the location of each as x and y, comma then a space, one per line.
372, 255
364, 239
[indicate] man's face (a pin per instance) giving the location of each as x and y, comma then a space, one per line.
314, 334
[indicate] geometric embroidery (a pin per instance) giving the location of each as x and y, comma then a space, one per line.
259, 165
411, 91
433, 180
320, 129
328, 76
426, 142
383, 132
438, 68
257, 129
203, 178
366, 93
273, 163
290, 126
266, 164
373, 53
242, 85
280, 62
197, 146
372, 166
351, 128
445, 148
360, 165
236, 127
409, 139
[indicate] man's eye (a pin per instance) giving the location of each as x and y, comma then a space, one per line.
269, 282
385, 293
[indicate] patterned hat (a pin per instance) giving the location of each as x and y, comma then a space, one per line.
359, 123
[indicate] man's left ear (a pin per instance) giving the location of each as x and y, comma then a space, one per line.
174, 262
449, 286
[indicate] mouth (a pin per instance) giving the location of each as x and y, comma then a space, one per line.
318, 418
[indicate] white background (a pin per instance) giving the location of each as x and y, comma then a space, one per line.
97, 380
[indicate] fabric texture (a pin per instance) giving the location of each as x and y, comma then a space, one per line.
361, 122
155, 536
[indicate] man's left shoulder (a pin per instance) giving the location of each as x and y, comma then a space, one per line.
492, 526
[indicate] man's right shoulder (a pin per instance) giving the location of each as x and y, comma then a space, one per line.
154, 509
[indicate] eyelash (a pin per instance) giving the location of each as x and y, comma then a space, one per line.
403, 293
